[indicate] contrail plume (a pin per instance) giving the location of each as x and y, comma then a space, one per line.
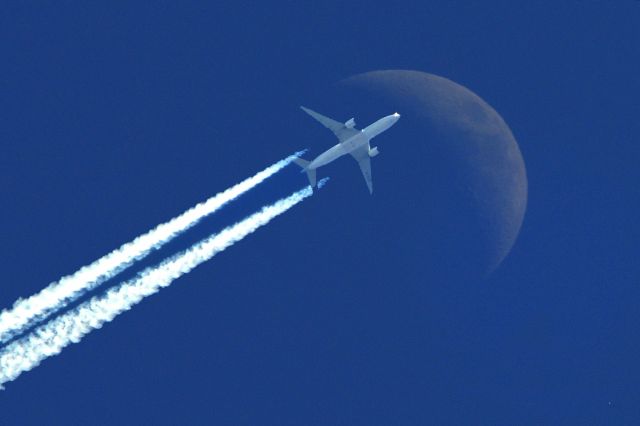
50, 338
25, 313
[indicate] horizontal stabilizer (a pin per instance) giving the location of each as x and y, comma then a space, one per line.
302, 163
311, 173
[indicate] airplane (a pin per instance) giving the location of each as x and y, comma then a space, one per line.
351, 141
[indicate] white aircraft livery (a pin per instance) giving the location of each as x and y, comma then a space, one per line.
352, 141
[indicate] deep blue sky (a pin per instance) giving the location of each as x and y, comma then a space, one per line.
114, 118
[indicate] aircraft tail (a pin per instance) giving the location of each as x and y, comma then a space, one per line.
311, 173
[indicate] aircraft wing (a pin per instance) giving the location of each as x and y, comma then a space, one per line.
339, 129
361, 155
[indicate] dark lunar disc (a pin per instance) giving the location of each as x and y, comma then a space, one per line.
450, 174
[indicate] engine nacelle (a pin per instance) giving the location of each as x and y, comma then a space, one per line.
373, 151
350, 124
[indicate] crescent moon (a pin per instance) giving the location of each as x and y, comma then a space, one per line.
454, 183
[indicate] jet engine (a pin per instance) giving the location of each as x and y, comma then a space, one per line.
373, 151
350, 124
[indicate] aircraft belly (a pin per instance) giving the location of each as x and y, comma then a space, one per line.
354, 143
329, 155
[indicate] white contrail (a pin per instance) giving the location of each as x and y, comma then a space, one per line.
50, 338
28, 312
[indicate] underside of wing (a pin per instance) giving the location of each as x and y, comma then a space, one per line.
361, 155
365, 167
339, 129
